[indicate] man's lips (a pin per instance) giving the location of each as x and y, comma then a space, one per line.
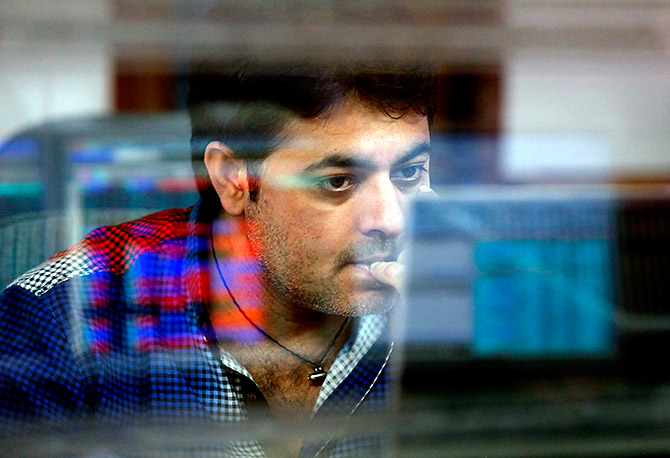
368, 251
362, 272
365, 263
371, 259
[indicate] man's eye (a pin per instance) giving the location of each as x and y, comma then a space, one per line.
409, 174
336, 183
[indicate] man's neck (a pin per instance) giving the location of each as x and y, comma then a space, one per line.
241, 292
281, 349
260, 318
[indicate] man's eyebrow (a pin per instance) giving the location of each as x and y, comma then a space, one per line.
351, 161
342, 161
416, 150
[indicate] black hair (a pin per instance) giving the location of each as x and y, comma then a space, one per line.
245, 106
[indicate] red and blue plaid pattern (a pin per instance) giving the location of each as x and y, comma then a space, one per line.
116, 329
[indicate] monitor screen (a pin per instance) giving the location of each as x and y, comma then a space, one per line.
513, 274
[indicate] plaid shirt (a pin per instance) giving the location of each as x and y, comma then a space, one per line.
116, 329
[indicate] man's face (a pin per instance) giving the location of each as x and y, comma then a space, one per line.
331, 202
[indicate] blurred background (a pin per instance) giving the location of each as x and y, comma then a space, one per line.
546, 107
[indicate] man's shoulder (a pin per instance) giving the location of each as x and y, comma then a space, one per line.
112, 249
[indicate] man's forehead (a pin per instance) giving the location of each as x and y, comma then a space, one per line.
354, 137
312, 158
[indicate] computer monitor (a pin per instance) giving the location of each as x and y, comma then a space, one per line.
558, 274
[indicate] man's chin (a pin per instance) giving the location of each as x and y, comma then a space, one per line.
373, 300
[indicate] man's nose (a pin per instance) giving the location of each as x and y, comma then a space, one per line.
381, 208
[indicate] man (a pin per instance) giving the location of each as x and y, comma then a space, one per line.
268, 297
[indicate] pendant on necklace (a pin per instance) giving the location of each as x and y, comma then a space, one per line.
318, 376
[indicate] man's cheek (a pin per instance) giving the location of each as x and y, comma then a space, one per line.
252, 229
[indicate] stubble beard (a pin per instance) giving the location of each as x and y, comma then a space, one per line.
291, 281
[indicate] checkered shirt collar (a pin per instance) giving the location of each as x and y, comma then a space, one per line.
369, 328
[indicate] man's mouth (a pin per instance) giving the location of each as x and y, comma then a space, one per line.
364, 254
387, 257
366, 262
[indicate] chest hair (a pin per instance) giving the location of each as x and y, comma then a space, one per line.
282, 379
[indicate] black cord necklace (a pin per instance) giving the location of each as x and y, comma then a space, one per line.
318, 376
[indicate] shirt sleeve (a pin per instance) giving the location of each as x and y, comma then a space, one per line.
41, 378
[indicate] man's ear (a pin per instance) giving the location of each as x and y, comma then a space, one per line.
229, 177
